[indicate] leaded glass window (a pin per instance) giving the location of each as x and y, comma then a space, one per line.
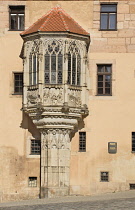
33, 69
53, 64
74, 65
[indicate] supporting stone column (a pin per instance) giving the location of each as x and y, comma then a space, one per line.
55, 162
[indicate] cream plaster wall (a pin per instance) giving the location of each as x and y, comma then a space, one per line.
111, 118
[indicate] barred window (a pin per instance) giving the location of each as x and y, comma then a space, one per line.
82, 141
32, 182
104, 176
133, 141
18, 83
33, 69
53, 64
35, 147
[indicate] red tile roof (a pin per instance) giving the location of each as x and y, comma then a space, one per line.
56, 20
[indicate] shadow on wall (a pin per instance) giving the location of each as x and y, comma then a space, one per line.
28, 124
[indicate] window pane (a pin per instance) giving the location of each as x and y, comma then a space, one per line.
47, 78
78, 69
21, 22
47, 62
13, 22
30, 70
53, 62
69, 68
107, 84
100, 84
104, 18
108, 69
107, 90
107, 78
100, 90
60, 61
53, 77
100, 77
34, 70
108, 8
74, 70
100, 68
112, 21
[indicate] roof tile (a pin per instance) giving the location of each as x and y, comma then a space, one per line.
56, 20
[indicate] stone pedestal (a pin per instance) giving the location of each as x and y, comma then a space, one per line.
55, 162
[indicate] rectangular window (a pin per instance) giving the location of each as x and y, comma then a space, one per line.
18, 83
132, 186
104, 176
32, 182
133, 141
16, 18
82, 141
104, 79
35, 147
108, 17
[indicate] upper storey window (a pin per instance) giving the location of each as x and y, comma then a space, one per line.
104, 79
74, 66
16, 18
53, 64
33, 69
108, 17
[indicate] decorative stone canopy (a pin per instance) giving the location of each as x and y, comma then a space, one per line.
56, 20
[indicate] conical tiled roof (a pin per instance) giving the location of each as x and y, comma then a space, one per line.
56, 20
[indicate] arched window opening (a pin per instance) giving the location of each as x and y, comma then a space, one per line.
53, 64
74, 66
33, 69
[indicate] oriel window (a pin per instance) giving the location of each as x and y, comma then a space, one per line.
104, 79
108, 17
16, 18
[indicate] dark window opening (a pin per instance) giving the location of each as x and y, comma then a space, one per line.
82, 141
18, 83
16, 18
132, 186
104, 79
35, 147
133, 141
32, 182
108, 17
104, 176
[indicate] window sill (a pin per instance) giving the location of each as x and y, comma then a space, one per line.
17, 94
104, 95
15, 30
108, 30
82, 151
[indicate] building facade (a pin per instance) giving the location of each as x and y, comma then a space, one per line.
67, 109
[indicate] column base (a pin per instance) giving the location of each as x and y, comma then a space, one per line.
53, 192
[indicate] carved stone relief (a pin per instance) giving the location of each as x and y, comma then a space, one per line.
53, 96
55, 139
74, 98
32, 97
